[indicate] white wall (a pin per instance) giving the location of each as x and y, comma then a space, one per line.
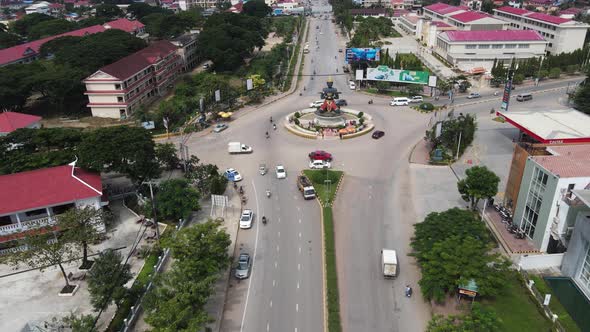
110, 86
104, 98
106, 112
541, 261
568, 40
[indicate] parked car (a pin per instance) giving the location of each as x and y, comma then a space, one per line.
377, 134
473, 95
341, 102
345, 69
319, 164
219, 127
400, 101
316, 104
352, 85
246, 219
340, 50
243, 267
232, 175
416, 99
320, 155
281, 172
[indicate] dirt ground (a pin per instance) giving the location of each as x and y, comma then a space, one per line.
84, 122
450, 307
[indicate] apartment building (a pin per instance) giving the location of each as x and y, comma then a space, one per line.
562, 34
411, 24
41, 7
117, 90
187, 49
204, 4
470, 49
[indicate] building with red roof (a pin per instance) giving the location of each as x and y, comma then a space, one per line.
474, 20
28, 52
117, 90
440, 11
133, 27
563, 34
11, 121
36, 198
474, 49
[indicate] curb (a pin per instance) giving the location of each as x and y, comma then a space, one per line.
325, 280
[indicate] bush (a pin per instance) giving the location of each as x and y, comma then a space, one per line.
297, 115
296, 121
543, 73
427, 106
554, 73
361, 121
518, 78
360, 115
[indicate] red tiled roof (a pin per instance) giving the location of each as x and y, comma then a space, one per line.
45, 187
11, 121
124, 24
443, 8
494, 35
435, 7
469, 16
135, 62
548, 18
567, 161
56, 5
571, 10
512, 10
440, 24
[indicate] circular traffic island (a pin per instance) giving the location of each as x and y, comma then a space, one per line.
341, 124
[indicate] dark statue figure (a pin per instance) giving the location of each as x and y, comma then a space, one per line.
329, 94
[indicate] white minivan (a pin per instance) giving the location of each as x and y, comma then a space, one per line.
400, 101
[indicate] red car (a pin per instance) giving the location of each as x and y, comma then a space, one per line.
320, 155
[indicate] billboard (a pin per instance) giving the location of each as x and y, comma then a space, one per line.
362, 54
384, 73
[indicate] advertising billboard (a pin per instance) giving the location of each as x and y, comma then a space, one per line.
362, 54
384, 73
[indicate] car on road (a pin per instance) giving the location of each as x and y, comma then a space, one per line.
246, 219
416, 99
243, 267
316, 104
400, 101
341, 102
281, 172
320, 155
219, 127
352, 85
473, 95
345, 69
340, 50
319, 164
232, 175
377, 134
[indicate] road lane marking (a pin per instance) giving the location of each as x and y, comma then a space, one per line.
275, 264
299, 249
297, 307
267, 326
298, 285
279, 234
271, 303
277, 248
273, 283
298, 208
298, 266
253, 260
300, 221
300, 234
279, 219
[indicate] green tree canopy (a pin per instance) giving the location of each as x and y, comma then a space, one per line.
257, 8
166, 155
142, 9
50, 28
107, 279
176, 199
479, 183
8, 39
581, 98
480, 319
23, 25
83, 226
108, 11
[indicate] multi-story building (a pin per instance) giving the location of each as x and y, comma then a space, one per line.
411, 24
117, 90
473, 20
36, 198
28, 52
369, 12
41, 7
470, 49
187, 49
431, 29
563, 35
204, 4
440, 11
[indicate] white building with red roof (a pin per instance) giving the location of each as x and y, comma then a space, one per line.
474, 49
117, 90
474, 20
562, 34
440, 11
11, 121
36, 198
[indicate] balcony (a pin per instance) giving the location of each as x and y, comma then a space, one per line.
27, 225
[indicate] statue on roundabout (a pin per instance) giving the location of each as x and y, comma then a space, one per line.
329, 106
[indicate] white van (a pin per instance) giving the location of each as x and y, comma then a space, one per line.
524, 97
400, 101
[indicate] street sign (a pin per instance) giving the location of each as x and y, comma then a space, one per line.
432, 81
249, 84
467, 292
359, 75
217, 95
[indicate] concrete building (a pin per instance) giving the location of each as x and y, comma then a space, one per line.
562, 34
11, 121
472, 20
41, 7
205, 4
117, 90
187, 49
411, 24
440, 11
431, 29
366, 12
470, 49
36, 198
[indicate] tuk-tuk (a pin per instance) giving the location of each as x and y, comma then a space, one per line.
262, 169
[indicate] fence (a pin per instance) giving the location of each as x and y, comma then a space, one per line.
540, 299
135, 311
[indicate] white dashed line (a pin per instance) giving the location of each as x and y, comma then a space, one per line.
299, 249
276, 264
298, 208
279, 219
267, 326
274, 283
277, 248
300, 221
299, 234
298, 285
298, 266
270, 303
279, 234
297, 307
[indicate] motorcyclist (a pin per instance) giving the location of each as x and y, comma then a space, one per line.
267, 135
264, 220
274, 126
408, 291
271, 119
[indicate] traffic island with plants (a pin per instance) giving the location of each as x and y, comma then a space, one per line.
326, 184
454, 136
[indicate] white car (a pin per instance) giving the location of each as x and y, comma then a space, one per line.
319, 164
316, 104
246, 219
416, 99
281, 172
401, 101
352, 85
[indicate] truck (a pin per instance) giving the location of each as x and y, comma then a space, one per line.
305, 187
306, 49
389, 263
237, 147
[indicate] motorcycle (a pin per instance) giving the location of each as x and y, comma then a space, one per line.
274, 126
408, 291
241, 190
267, 193
267, 135
264, 220
370, 101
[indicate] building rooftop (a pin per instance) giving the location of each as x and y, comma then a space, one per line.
470, 16
11, 121
135, 62
566, 161
46, 187
552, 126
583, 195
124, 24
369, 11
411, 18
512, 10
493, 35
440, 24
548, 18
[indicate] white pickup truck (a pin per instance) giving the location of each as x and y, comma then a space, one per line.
389, 263
237, 147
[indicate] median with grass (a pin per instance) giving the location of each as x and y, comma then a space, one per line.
326, 184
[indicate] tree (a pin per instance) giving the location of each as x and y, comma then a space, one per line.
108, 11
8, 39
107, 279
463, 127
176, 199
518, 78
50, 28
382, 86
58, 83
142, 9
582, 98
554, 73
16, 85
83, 323
205, 176
217, 184
23, 25
479, 183
83, 225
487, 6
257, 8
45, 247
166, 155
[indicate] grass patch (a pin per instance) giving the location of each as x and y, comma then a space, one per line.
325, 192
392, 93
499, 119
517, 309
294, 57
556, 307
333, 297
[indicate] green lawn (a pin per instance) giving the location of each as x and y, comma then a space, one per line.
393, 93
323, 190
556, 307
517, 309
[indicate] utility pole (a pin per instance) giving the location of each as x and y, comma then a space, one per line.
459, 145
154, 210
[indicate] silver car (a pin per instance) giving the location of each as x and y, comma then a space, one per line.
243, 268
219, 127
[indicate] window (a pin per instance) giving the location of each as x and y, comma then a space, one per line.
585, 270
119, 99
510, 46
117, 86
570, 187
523, 45
496, 46
481, 46
470, 47
533, 202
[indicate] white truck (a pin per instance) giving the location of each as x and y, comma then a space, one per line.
237, 147
305, 187
389, 263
